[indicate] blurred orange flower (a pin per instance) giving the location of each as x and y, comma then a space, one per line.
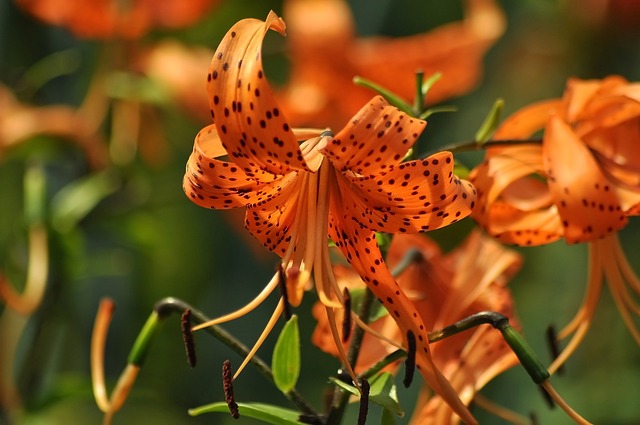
105, 19
20, 122
345, 187
580, 184
326, 55
445, 288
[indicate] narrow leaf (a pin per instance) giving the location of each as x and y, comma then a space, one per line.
383, 392
490, 123
286, 356
264, 412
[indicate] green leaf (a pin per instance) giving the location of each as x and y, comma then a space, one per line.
387, 418
264, 412
383, 392
490, 123
389, 96
286, 356
80, 197
348, 388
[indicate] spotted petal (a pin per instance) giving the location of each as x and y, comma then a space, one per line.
252, 129
414, 196
586, 202
362, 251
376, 138
217, 184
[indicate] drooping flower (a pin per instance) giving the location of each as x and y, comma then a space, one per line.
581, 184
326, 54
346, 186
445, 288
104, 19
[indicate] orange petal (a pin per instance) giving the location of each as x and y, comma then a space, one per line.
414, 196
526, 121
376, 138
252, 128
359, 246
272, 220
586, 202
217, 184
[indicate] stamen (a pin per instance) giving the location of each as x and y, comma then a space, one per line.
187, 337
282, 284
563, 404
500, 411
98, 342
244, 310
552, 341
346, 321
267, 330
410, 362
227, 384
364, 401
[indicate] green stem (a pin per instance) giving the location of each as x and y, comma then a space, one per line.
340, 398
391, 97
475, 146
520, 347
418, 101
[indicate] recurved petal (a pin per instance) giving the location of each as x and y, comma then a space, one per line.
585, 198
359, 245
376, 138
414, 196
251, 126
271, 220
217, 184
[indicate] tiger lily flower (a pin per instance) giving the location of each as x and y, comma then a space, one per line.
346, 187
581, 184
444, 288
105, 19
320, 90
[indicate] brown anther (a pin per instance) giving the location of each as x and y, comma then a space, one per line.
410, 362
552, 340
187, 337
364, 401
227, 383
346, 321
282, 284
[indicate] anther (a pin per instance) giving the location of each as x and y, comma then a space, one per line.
364, 401
227, 384
346, 321
552, 340
282, 284
547, 397
187, 337
410, 362
326, 133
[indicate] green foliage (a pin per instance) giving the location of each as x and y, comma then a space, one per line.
267, 413
286, 356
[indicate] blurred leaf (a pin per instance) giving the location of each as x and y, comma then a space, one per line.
265, 412
79, 198
126, 86
57, 64
490, 123
286, 356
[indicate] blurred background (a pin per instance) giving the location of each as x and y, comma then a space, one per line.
108, 172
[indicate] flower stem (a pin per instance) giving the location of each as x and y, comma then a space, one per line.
476, 146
